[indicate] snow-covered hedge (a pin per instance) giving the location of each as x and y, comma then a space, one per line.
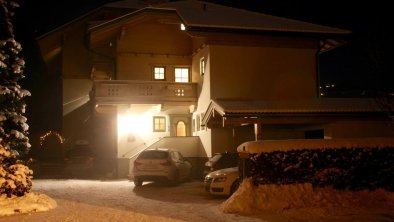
344, 168
15, 178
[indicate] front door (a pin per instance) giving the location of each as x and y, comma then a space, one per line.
181, 129
180, 125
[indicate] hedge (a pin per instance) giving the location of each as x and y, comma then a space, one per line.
342, 168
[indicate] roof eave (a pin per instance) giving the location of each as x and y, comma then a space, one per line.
124, 18
256, 30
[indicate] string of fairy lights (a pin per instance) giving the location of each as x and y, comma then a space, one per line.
51, 133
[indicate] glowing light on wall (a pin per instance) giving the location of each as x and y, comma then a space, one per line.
137, 124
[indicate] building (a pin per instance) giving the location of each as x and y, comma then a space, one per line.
197, 76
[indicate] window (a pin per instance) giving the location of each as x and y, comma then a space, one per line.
159, 73
181, 74
202, 66
198, 122
159, 124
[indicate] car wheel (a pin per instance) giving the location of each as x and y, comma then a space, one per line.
138, 182
234, 187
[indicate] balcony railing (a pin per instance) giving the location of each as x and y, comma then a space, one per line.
144, 92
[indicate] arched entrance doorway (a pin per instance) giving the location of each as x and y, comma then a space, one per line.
181, 129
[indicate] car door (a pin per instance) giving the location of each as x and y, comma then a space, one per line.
183, 166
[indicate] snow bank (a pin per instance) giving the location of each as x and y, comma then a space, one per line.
297, 144
30, 202
253, 199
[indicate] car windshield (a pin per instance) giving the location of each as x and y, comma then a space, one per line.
153, 155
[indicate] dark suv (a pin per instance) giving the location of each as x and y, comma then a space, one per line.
79, 162
220, 161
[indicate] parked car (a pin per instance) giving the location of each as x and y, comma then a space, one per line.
222, 182
79, 161
220, 161
160, 164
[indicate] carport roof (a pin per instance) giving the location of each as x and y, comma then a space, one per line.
256, 108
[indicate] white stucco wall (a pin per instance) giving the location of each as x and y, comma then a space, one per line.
204, 92
263, 73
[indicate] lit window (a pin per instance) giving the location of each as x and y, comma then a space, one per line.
159, 73
181, 74
159, 124
202, 66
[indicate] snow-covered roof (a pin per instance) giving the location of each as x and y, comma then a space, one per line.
197, 14
296, 144
209, 15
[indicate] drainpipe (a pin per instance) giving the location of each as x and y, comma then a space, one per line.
318, 66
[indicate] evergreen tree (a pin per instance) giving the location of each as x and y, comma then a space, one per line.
15, 177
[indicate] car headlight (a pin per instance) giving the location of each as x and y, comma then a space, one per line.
219, 179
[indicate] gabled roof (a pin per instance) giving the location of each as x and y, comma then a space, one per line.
209, 15
245, 108
197, 15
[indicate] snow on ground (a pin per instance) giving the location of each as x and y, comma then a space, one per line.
300, 202
119, 200
31, 202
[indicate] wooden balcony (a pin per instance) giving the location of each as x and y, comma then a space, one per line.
117, 92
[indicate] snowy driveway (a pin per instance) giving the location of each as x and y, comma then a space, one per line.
119, 200
94, 200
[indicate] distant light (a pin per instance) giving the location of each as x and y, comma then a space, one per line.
183, 27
